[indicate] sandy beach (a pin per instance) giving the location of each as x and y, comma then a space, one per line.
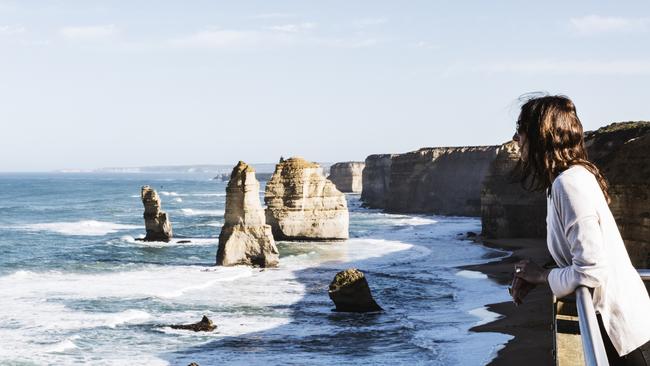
530, 322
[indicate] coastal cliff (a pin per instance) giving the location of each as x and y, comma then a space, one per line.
245, 238
620, 150
439, 180
376, 180
303, 205
347, 176
507, 210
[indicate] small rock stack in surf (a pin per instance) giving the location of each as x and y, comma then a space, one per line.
245, 238
350, 292
156, 222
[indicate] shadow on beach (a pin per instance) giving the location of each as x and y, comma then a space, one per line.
424, 321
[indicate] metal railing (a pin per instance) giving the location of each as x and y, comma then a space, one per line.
592, 341
645, 274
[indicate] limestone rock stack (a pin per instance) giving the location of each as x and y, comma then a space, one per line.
507, 210
303, 205
156, 222
245, 238
347, 176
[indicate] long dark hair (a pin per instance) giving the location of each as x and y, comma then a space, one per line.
555, 142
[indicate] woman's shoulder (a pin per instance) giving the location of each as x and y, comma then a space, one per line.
574, 179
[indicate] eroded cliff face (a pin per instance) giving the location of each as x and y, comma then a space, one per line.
507, 210
347, 176
245, 238
303, 205
376, 180
156, 222
620, 150
439, 180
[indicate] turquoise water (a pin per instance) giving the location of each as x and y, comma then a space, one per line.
76, 287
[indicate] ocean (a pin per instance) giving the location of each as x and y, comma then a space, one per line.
76, 287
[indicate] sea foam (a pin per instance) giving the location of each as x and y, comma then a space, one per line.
196, 212
84, 227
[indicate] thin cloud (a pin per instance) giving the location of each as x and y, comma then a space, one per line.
9, 30
422, 45
367, 22
348, 43
274, 37
293, 28
273, 16
571, 67
232, 39
596, 24
89, 33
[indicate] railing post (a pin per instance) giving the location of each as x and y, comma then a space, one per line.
592, 341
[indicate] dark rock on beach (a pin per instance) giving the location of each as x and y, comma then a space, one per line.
205, 325
350, 292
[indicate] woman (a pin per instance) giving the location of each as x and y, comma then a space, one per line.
582, 235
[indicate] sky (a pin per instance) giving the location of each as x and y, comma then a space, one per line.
89, 84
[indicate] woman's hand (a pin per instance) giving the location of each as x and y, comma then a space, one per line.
531, 272
519, 289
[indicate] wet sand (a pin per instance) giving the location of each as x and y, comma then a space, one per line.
530, 322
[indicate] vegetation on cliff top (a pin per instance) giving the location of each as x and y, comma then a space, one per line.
622, 126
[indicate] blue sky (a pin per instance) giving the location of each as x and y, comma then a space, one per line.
90, 84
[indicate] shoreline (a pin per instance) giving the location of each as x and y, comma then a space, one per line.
530, 322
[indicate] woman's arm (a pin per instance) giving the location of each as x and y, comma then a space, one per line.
573, 200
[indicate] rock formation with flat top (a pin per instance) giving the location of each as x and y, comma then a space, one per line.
439, 180
156, 222
245, 238
303, 205
432, 180
350, 292
347, 176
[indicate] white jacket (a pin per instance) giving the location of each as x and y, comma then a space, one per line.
584, 240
